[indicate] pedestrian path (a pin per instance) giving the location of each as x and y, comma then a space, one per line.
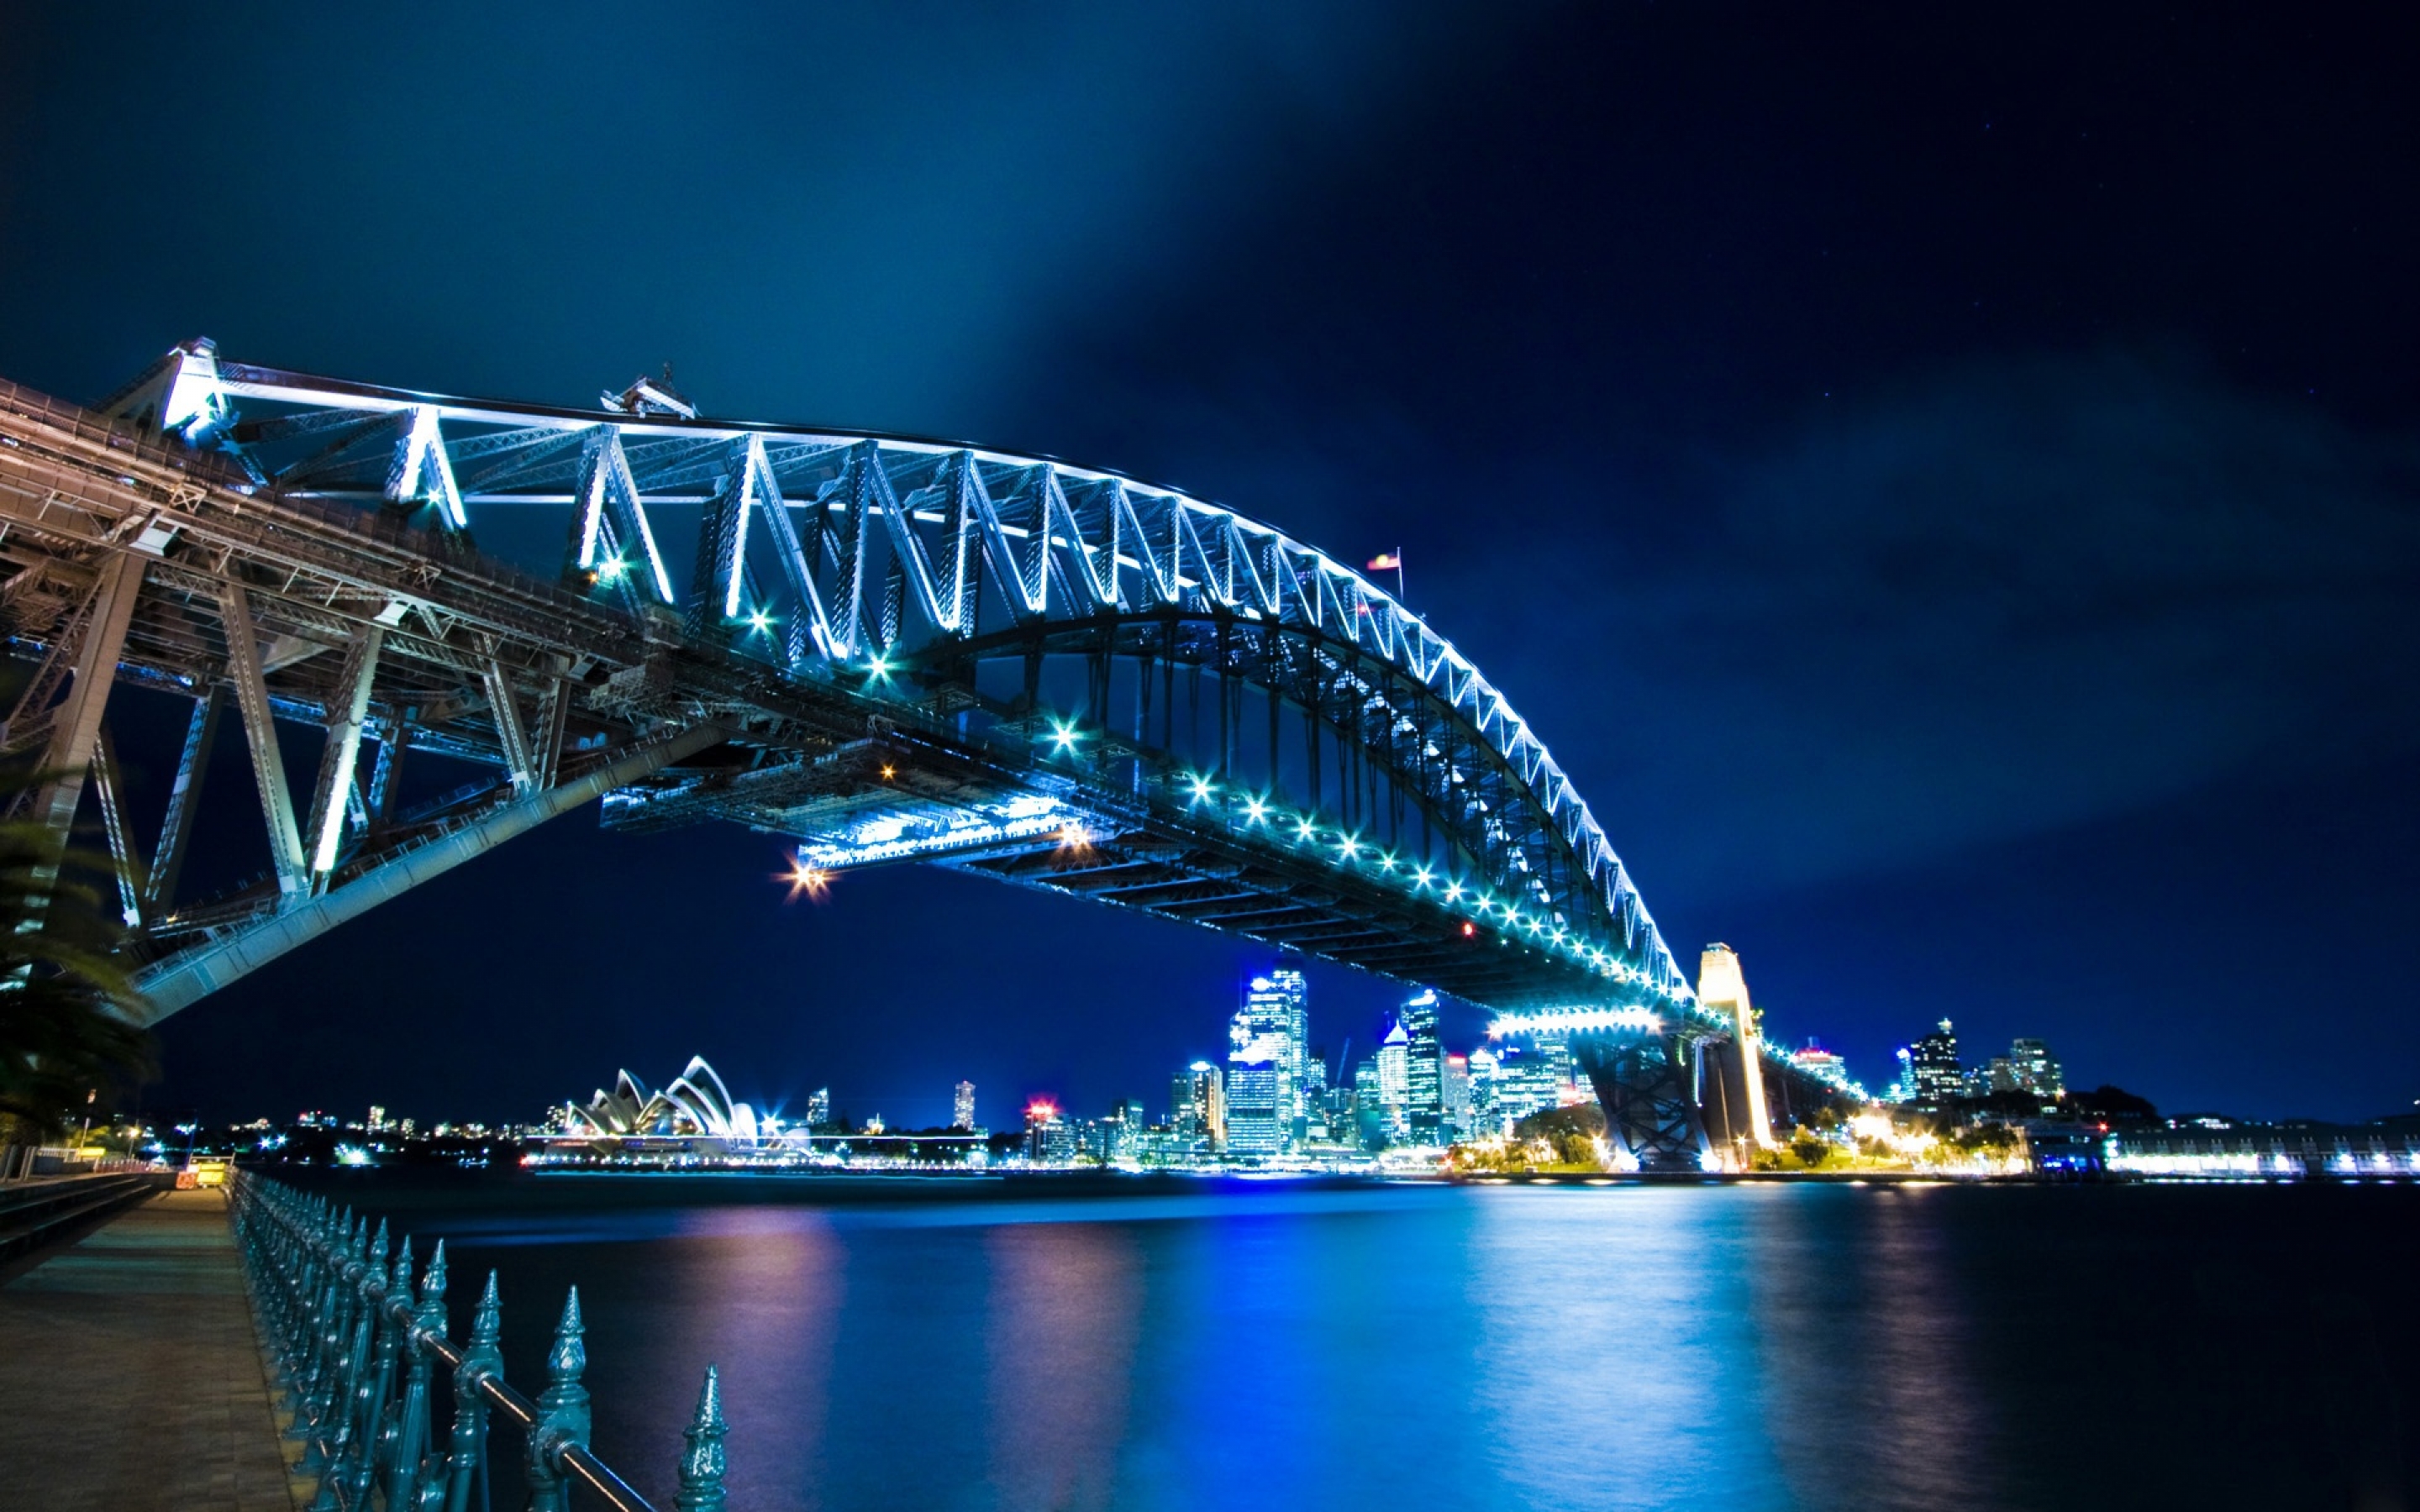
130, 1378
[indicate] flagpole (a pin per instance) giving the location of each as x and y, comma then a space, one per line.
1399, 573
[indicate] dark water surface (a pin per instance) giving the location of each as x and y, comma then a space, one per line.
1377, 1348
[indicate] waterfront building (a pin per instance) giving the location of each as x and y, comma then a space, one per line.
378, 1118
1457, 1097
1935, 1072
1394, 1079
1198, 1105
1271, 1029
962, 1107
1423, 1071
1369, 1104
1485, 1072
695, 1105
2038, 1071
1048, 1140
1256, 1121
1528, 1081
820, 1107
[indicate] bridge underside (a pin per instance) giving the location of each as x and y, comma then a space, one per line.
899, 797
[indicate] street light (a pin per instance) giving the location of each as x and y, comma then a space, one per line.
187, 1130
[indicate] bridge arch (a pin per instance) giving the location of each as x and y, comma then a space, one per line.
891, 647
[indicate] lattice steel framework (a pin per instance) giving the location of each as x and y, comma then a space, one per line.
871, 654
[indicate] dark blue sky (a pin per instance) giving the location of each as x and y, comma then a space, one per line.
1948, 488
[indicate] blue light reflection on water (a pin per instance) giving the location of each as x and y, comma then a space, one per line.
1379, 1350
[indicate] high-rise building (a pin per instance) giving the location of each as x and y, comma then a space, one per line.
962, 1109
1369, 1105
377, 1117
1198, 1105
1048, 1138
1457, 1097
1394, 1073
1271, 1028
1423, 1071
820, 1107
2038, 1070
1933, 1067
1256, 1118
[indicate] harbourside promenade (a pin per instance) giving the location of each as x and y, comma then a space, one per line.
131, 1377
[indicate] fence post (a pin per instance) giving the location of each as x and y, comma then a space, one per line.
702, 1465
563, 1409
481, 1360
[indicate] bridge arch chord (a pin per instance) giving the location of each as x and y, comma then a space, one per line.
890, 566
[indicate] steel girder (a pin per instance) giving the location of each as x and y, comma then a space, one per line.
846, 588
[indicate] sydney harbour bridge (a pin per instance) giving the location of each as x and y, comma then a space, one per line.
891, 649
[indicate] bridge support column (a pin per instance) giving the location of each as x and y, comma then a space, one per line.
260, 734
75, 728
186, 978
1644, 1084
326, 829
184, 800
109, 790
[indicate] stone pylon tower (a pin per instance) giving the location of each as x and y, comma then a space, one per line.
1724, 990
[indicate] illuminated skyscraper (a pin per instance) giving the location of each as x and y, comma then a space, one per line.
2038, 1070
820, 1107
1198, 1105
963, 1108
1933, 1067
1423, 1071
1457, 1097
1273, 1027
1394, 1055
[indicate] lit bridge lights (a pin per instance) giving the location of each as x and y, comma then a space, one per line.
863, 661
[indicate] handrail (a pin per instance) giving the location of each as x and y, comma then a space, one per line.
357, 1353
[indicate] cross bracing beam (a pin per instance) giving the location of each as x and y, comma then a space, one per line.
854, 586
185, 979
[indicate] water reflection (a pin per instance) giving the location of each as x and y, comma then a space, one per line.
1064, 1303
1460, 1348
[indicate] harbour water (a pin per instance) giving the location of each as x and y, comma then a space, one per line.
1379, 1349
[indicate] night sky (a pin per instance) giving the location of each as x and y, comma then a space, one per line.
1945, 486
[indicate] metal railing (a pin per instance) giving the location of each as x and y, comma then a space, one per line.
360, 1356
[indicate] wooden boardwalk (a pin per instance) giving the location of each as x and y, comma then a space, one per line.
131, 1377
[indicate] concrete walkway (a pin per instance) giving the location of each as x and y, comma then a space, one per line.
131, 1377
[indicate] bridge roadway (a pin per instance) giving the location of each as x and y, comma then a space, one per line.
876, 655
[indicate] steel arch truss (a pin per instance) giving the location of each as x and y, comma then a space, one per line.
849, 583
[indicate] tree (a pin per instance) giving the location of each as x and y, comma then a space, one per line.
70, 1015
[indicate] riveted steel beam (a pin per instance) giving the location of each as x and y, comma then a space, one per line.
260, 735
183, 980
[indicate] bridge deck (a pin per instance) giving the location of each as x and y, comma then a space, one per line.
129, 1374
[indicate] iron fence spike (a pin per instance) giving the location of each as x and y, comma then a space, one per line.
702, 1462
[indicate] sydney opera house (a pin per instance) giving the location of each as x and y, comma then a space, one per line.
694, 1113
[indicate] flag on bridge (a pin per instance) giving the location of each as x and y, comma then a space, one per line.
1385, 561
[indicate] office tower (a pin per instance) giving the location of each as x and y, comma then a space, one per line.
1933, 1070
963, 1107
1457, 1097
377, 1117
1048, 1138
1484, 1069
1394, 1070
1272, 1028
1198, 1105
1369, 1105
1256, 1121
1424, 1070
2038, 1070
820, 1107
